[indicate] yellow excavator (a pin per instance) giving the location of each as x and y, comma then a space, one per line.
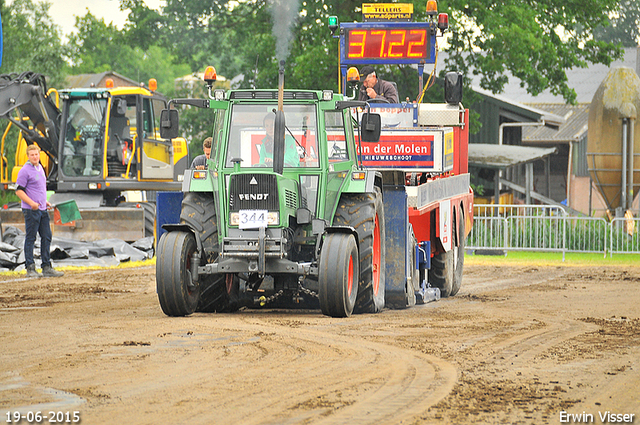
98, 145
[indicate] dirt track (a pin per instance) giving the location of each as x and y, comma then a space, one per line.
517, 345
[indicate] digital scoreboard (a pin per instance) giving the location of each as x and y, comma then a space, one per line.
389, 42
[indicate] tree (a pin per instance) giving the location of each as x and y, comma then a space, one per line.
624, 26
98, 47
536, 41
143, 27
31, 41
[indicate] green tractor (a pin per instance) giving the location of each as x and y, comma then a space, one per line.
283, 215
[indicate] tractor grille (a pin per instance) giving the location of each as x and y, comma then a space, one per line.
290, 199
253, 192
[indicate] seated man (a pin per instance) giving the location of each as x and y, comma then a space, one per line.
376, 88
291, 157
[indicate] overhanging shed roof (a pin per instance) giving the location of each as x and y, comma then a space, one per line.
575, 128
503, 156
520, 112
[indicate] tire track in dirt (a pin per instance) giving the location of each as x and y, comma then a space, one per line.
376, 383
494, 279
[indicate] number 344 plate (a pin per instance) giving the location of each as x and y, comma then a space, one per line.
252, 219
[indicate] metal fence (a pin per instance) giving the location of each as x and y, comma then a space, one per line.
624, 236
551, 229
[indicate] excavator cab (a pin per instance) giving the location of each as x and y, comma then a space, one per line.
83, 134
120, 160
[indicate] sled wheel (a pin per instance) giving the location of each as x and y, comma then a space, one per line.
458, 259
338, 275
446, 268
178, 295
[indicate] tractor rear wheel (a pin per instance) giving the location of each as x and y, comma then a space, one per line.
365, 213
199, 213
338, 275
177, 293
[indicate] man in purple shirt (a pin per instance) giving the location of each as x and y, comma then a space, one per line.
31, 188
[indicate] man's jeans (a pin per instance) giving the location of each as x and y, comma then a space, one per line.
37, 221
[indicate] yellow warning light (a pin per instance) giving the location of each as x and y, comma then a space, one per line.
210, 75
109, 83
353, 76
432, 7
153, 84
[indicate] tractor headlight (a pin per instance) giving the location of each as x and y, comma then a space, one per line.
273, 218
218, 94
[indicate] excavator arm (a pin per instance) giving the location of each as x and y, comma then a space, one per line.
26, 94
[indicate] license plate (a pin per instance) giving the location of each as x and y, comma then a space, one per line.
252, 219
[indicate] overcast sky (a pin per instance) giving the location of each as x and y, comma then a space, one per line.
64, 12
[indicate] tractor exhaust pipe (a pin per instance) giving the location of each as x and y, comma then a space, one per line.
279, 126
280, 85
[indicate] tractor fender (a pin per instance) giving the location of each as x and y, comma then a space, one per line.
336, 229
185, 228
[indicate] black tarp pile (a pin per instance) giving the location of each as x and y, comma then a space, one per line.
69, 252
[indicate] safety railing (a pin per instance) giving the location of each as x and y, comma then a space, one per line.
624, 236
550, 228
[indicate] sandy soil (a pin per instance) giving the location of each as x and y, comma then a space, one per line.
518, 345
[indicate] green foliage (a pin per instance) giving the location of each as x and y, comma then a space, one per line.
623, 26
144, 26
535, 41
478, 189
7, 197
537, 259
536, 232
623, 240
97, 47
31, 41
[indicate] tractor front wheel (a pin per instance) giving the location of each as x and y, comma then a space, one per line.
338, 273
177, 293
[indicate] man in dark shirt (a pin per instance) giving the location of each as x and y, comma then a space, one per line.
376, 88
200, 161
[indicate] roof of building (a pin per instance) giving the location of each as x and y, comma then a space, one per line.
574, 129
503, 156
585, 81
523, 110
96, 80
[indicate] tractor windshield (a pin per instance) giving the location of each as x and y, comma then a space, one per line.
251, 136
84, 136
